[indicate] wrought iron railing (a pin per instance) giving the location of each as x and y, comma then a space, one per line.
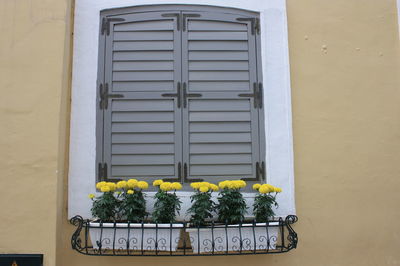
182, 239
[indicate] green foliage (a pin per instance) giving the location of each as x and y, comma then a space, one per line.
202, 208
232, 206
262, 207
133, 206
105, 207
166, 207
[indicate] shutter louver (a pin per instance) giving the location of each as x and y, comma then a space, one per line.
221, 129
142, 130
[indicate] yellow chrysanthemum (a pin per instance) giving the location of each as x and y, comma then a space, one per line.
166, 186
91, 196
176, 186
100, 184
112, 186
195, 185
263, 189
122, 184
277, 190
223, 184
105, 188
157, 182
203, 189
214, 187
132, 183
142, 185
241, 183
256, 186
205, 184
233, 185
130, 191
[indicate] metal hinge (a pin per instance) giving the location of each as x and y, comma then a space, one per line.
178, 19
102, 171
260, 173
184, 16
185, 175
179, 178
105, 24
104, 96
260, 95
255, 24
178, 95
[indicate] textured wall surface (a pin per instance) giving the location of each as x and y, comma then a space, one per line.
345, 61
32, 77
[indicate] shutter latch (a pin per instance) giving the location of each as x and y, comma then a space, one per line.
102, 171
104, 96
105, 24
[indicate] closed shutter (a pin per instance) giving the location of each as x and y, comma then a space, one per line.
141, 121
221, 134
179, 95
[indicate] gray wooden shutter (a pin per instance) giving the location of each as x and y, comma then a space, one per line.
141, 119
221, 129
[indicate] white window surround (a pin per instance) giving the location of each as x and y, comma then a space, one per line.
277, 99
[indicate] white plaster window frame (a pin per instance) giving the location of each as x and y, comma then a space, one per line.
277, 99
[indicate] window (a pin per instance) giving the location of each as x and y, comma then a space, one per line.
180, 95
271, 48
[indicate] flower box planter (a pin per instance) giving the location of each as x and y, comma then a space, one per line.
236, 238
139, 237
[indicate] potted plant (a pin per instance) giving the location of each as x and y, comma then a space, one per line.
201, 210
129, 211
231, 209
265, 231
167, 205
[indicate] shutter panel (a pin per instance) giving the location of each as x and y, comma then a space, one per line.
142, 129
221, 138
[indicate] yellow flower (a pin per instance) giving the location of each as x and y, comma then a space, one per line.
176, 186
195, 185
157, 182
277, 189
242, 183
256, 186
130, 191
105, 188
232, 185
203, 188
132, 183
91, 196
263, 189
214, 187
100, 184
122, 184
142, 185
223, 184
112, 186
205, 184
166, 186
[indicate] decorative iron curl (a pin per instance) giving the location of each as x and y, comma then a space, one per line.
76, 241
292, 235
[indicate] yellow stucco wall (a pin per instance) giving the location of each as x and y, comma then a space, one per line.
345, 66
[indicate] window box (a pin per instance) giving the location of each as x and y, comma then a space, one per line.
238, 237
134, 236
178, 239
